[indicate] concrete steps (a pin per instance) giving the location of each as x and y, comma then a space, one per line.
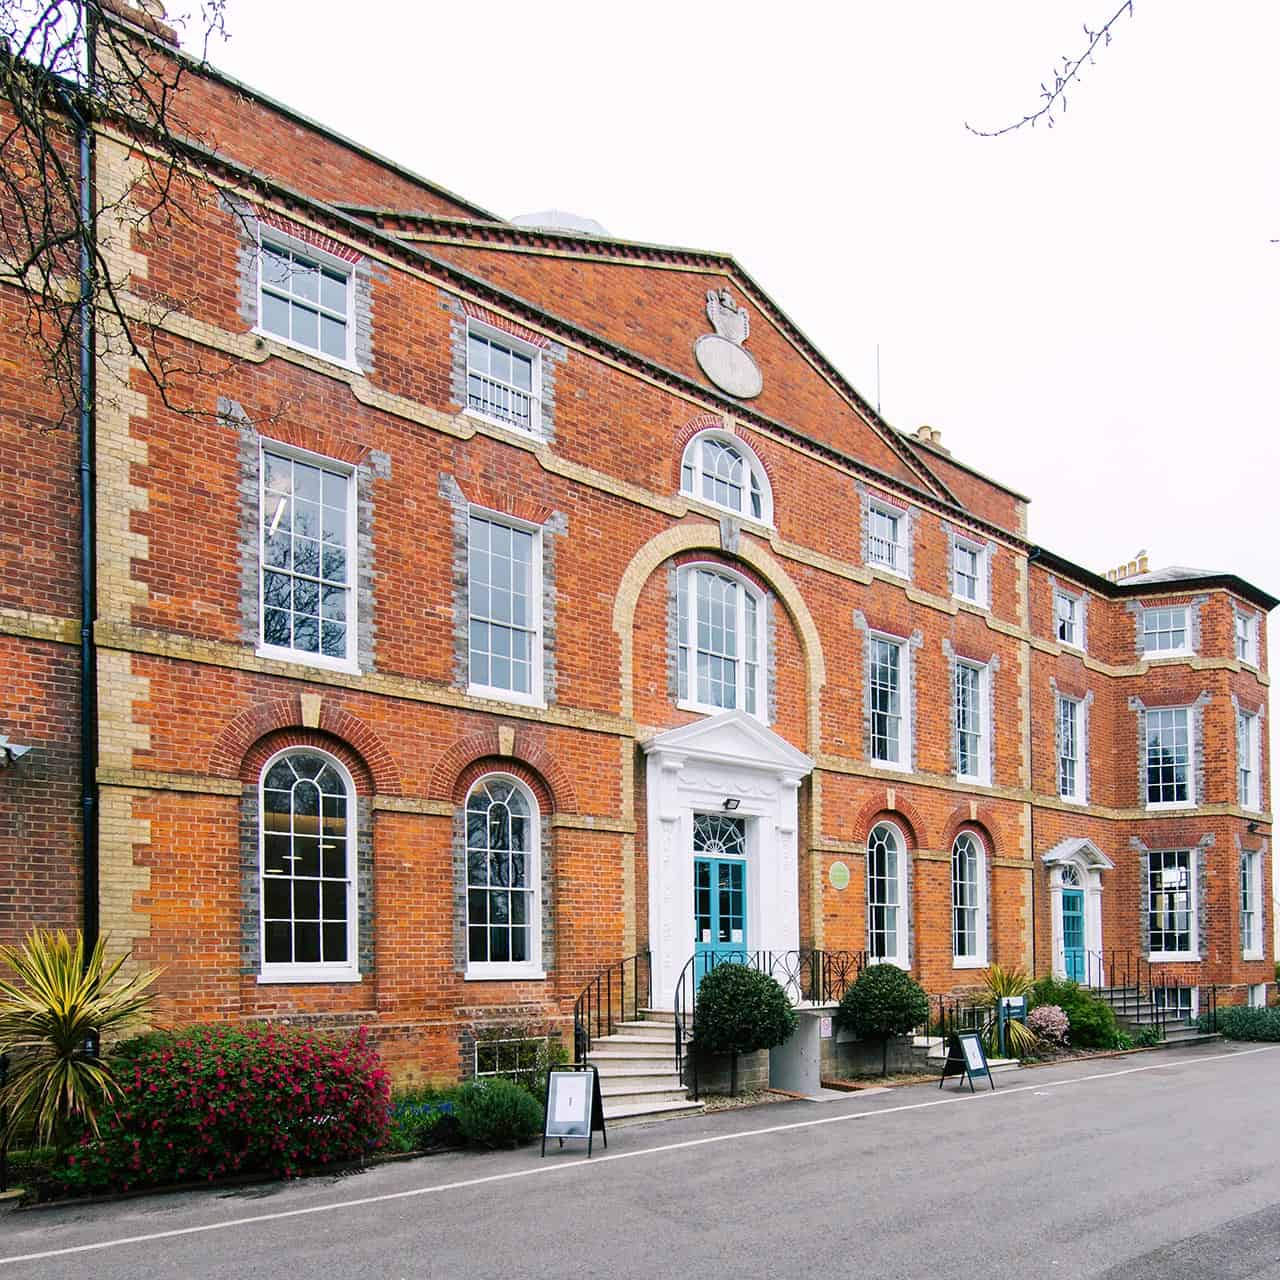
637, 1066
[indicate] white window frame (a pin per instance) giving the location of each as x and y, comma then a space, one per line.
1251, 896
1248, 760
903, 762
491, 333
899, 554
686, 654
282, 242
902, 933
349, 970
1077, 794
692, 476
982, 695
982, 571
535, 696
1190, 801
1182, 651
349, 662
508, 970
1193, 907
1246, 638
979, 907
1074, 619
1258, 995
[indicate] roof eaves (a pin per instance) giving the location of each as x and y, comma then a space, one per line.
914, 442
204, 67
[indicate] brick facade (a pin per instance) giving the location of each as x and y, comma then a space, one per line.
191, 709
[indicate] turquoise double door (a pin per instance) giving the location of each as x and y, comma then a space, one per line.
719, 912
1073, 934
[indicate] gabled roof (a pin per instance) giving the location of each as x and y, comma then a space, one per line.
659, 312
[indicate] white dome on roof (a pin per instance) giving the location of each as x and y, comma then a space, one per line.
560, 220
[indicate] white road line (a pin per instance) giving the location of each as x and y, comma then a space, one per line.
561, 1166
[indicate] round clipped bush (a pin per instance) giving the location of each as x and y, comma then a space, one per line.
497, 1113
1049, 1023
214, 1101
740, 1010
884, 1002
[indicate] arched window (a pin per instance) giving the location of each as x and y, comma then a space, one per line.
720, 469
308, 864
503, 900
968, 902
722, 642
887, 896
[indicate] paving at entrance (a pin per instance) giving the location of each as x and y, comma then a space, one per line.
1148, 1166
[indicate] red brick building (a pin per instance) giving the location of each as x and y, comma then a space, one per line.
524, 599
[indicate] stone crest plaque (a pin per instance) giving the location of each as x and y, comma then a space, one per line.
721, 355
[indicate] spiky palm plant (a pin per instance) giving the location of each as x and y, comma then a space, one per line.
54, 1002
998, 982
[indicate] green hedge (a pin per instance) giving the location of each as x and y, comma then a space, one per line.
1240, 1022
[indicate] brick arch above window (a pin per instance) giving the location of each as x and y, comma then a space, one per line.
904, 815
522, 755
983, 826
279, 740
333, 723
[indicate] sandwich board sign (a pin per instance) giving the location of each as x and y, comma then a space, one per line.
966, 1057
573, 1106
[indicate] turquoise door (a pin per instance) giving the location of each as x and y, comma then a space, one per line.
1073, 933
719, 912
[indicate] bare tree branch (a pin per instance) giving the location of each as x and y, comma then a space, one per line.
64, 63
1063, 74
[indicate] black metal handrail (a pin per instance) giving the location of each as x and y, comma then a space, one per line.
807, 975
604, 1001
1129, 980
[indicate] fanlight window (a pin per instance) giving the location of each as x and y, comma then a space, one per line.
722, 471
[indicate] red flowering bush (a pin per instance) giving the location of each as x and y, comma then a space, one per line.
211, 1102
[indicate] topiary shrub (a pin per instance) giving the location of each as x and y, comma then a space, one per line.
884, 1002
497, 1113
1241, 1022
1093, 1021
210, 1102
739, 1011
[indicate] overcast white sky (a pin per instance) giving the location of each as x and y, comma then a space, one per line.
1087, 313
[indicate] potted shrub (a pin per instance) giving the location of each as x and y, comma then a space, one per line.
740, 1011
884, 1002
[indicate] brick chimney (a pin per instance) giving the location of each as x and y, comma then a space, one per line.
1130, 569
147, 15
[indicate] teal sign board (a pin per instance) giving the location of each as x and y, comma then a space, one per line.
967, 1059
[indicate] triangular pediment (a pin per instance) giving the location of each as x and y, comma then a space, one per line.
732, 737
1080, 850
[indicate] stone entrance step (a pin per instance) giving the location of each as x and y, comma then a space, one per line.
637, 1067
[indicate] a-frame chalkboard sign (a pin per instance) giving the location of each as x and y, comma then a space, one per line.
966, 1057
573, 1106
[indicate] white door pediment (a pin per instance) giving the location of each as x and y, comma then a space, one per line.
734, 738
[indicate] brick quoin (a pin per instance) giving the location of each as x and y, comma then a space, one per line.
190, 709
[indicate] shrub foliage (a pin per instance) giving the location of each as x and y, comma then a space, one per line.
740, 1010
885, 1001
497, 1113
214, 1101
1240, 1022
1093, 1021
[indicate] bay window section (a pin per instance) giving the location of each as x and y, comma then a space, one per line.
1168, 753
1170, 905
1250, 905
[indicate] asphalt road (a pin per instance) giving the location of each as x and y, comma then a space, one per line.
1146, 1167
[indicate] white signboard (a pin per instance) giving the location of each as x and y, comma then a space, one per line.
973, 1053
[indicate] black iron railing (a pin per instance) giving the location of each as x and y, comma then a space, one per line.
616, 994
1143, 993
808, 976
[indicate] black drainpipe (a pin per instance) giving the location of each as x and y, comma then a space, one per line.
88, 524
1032, 556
